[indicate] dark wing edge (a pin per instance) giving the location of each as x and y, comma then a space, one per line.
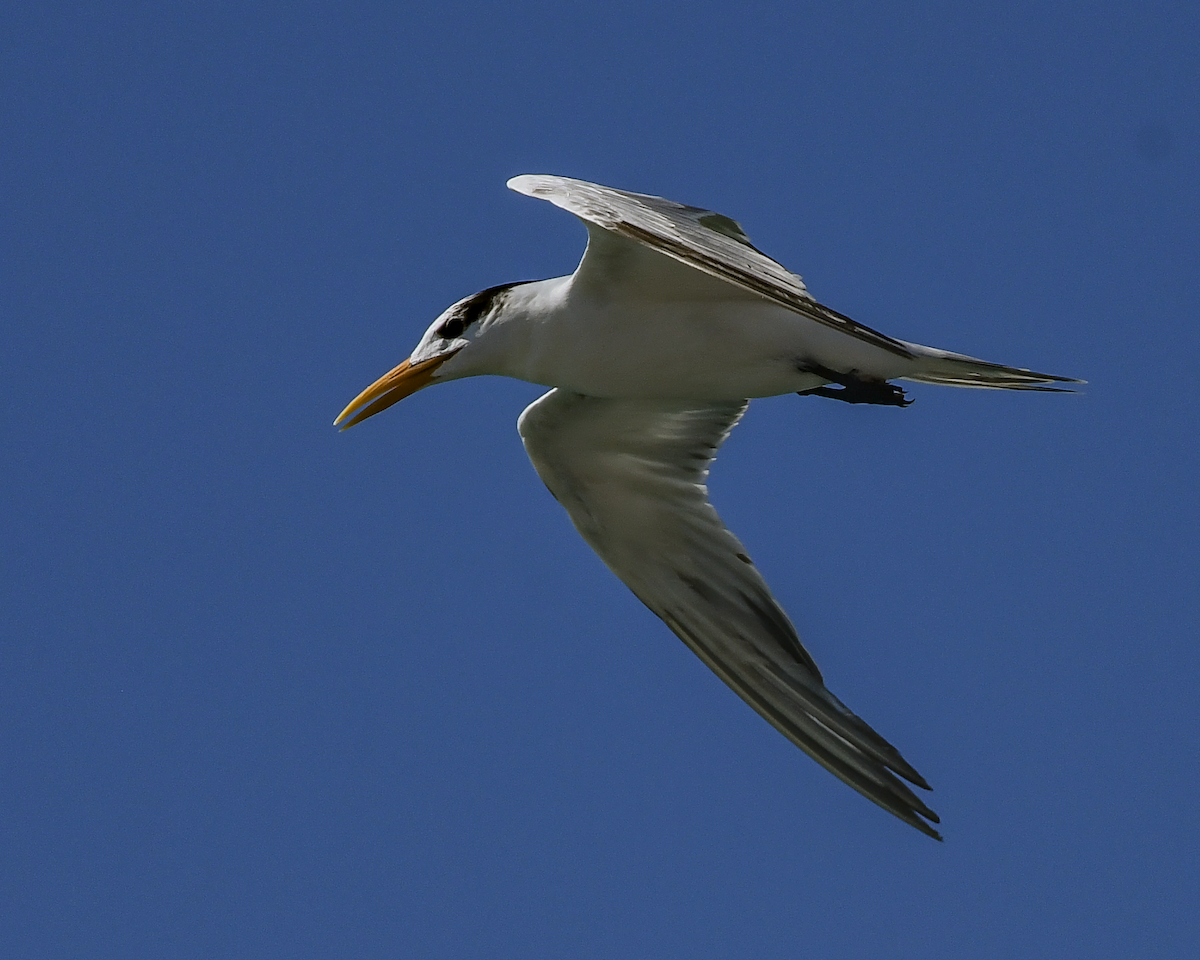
948, 369
708, 241
631, 475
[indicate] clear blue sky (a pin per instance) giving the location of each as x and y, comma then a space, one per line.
271, 691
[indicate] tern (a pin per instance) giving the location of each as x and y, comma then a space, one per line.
672, 322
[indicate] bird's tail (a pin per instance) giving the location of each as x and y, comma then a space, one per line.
958, 370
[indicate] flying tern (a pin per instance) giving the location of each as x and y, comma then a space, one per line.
672, 322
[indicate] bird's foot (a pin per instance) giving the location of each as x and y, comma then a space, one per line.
855, 389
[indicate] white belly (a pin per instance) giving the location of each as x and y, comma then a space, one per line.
699, 349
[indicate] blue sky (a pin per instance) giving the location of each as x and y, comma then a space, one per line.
267, 690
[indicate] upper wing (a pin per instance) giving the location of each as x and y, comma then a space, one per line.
631, 473
701, 239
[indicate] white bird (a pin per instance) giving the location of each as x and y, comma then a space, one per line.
654, 346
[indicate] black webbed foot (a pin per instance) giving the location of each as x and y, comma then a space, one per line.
880, 392
854, 389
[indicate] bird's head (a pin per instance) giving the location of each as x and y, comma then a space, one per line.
450, 349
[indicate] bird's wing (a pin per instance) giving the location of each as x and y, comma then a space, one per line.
631, 473
703, 240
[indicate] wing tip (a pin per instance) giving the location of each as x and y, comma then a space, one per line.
929, 831
532, 184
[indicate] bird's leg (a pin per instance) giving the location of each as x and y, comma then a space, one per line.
854, 389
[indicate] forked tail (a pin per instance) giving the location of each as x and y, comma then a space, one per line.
958, 370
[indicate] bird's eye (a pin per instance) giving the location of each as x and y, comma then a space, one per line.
472, 309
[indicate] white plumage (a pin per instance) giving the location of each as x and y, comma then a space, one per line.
654, 346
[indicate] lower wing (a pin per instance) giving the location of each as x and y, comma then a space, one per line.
632, 475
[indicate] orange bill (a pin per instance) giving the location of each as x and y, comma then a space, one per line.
392, 387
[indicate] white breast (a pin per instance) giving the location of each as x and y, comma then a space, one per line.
699, 348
